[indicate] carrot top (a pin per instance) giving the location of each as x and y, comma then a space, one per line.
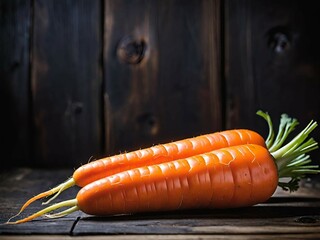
292, 161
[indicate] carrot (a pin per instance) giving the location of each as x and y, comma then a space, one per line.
236, 176
157, 154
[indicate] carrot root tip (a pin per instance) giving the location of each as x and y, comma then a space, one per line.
68, 203
56, 191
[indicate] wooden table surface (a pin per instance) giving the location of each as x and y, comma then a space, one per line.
284, 216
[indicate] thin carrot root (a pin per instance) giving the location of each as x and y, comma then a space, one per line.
56, 191
67, 184
68, 203
63, 213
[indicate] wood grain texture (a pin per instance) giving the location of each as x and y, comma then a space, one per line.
66, 82
173, 91
287, 76
92, 78
272, 63
15, 21
272, 60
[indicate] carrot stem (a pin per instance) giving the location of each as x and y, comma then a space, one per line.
270, 138
296, 142
286, 126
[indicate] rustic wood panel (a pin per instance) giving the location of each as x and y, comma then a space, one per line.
66, 81
287, 76
272, 60
161, 64
110, 76
129, 72
189, 59
14, 82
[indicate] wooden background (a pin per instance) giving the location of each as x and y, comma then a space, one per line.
84, 79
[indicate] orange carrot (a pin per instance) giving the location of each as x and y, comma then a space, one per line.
234, 176
163, 153
157, 154
237, 176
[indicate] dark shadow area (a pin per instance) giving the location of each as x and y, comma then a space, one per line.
243, 213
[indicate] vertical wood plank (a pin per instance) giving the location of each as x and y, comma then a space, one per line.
66, 81
272, 60
14, 82
189, 62
288, 76
129, 87
240, 92
172, 91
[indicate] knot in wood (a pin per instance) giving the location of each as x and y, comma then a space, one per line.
131, 51
279, 39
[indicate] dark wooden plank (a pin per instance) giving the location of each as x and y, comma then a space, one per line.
66, 82
19, 185
14, 82
238, 77
161, 64
189, 61
284, 32
170, 237
272, 60
187, 225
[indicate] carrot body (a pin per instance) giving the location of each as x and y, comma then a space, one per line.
226, 178
162, 153
108, 166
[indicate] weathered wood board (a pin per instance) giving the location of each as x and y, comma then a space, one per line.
15, 114
161, 71
66, 82
94, 78
270, 60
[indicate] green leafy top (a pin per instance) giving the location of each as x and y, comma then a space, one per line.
292, 161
